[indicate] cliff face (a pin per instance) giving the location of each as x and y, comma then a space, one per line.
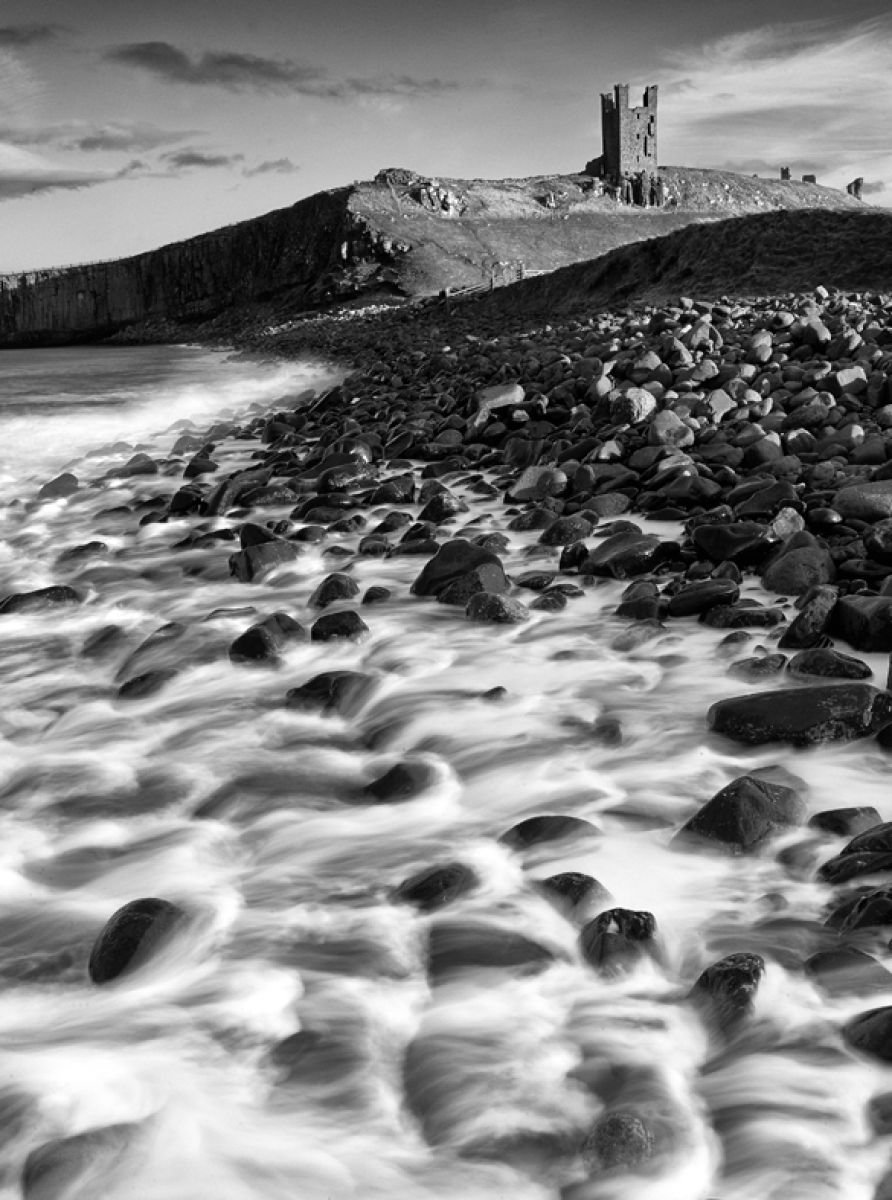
399, 233
311, 252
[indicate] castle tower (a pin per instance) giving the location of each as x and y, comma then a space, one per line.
629, 135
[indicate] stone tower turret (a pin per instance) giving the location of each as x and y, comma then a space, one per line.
629, 134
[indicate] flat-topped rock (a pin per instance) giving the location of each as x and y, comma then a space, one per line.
803, 716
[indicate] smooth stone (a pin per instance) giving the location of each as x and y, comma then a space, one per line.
458, 571
131, 936
347, 624
617, 939
433, 887
846, 970
758, 666
342, 692
57, 1169
55, 596
572, 890
490, 608
59, 488
336, 586
257, 559
149, 683
846, 822
548, 828
744, 813
871, 1032
698, 597
870, 501
803, 716
262, 642
464, 945
403, 781
626, 554
828, 663
865, 622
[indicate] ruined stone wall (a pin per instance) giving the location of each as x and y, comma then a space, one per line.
629, 133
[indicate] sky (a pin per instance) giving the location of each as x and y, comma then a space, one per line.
127, 124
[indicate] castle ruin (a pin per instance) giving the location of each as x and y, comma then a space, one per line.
629, 135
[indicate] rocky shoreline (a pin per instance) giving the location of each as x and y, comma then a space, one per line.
758, 433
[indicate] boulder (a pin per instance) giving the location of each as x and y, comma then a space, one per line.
871, 501
810, 625
725, 991
828, 664
132, 936
345, 624
701, 595
59, 488
871, 1032
617, 939
490, 608
342, 692
76, 1165
434, 887
847, 970
549, 828
456, 946
336, 586
622, 555
803, 716
573, 890
259, 558
57, 596
801, 563
458, 571
262, 642
865, 622
744, 813
403, 781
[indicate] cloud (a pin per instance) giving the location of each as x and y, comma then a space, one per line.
182, 160
237, 72
23, 173
127, 136
872, 187
814, 95
17, 36
274, 166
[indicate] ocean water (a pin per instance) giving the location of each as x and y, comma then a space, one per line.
186, 1078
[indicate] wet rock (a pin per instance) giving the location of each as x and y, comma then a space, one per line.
699, 597
75, 555
829, 664
746, 614
870, 501
549, 828
623, 555
490, 608
64, 1167
845, 867
345, 624
865, 910
59, 488
758, 666
132, 936
258, 558
462, 945
336, 586
846, 822
725, 991
313, 1059
403, 781
537, 482
434, 887
744, 813
846, 970
807, 629
262, 642
376, 595
803, 716
573, 890
57, 596
871, 1033
458, 571
149, 683
865, 622
743, 542
342, 692
103, 642
801, 563
617, 939
617, 1140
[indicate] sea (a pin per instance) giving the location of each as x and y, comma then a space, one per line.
186, 1079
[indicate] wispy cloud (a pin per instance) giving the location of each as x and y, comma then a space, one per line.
23, 173
18, 36
813, 95
237, 72
126, 136
273, 166
187, 159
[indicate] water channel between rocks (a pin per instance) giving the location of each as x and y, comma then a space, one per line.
253, 818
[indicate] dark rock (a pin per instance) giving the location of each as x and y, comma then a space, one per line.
146, 684
262, 642
49, 597
871, 1032
75, 555
565, 530
803, 716
743, 615
573, 890
617, 939
813, 620
336, 586
442, 507
758, 666
460, 945
865, 622
489, 608
549, 828
846, 969
801, 563
404, 781
376, 595
458, 571
865, 501
829, 664
617, 1140
131, 936
879, 1114
846, 822
103, 642
865, 911
63, 485
698, 597
845, 867
57, 1169
345, 624
743, 542
745, 813
725, 991
342, 692
257, 558
433, 887
550, 601
626, 554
